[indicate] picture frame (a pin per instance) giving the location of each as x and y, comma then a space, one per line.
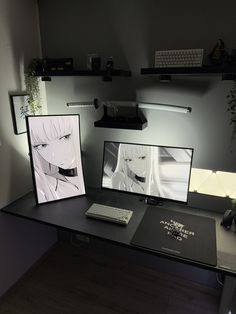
19, 109
55, 156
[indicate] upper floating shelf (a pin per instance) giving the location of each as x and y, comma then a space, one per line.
82, 73
228, 72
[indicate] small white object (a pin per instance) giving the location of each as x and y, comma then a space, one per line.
109, 213
179, 58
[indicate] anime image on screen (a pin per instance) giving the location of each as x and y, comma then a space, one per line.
156, 171
54, 143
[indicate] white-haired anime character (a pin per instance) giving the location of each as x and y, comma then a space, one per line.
137, 170
55, 147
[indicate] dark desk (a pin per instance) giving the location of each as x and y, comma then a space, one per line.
70, 215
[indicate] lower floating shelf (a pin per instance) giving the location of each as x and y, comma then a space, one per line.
138, 123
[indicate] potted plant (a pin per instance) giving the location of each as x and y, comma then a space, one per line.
32, 88
233, 204
232, 109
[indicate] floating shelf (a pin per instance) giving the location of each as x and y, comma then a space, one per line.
82, 73
228, 72
136, 122
139, 123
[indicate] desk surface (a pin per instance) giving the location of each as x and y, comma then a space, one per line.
70, 214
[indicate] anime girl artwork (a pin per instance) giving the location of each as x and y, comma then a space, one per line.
55, 156
137, 170
155, 171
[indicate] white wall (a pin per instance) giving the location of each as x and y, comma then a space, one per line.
21, 242
131, 31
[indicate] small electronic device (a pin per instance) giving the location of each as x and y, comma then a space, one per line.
57, 64
155, 172
109, 213
227, 219
179, 58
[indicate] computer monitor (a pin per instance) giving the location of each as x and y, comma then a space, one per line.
159, 172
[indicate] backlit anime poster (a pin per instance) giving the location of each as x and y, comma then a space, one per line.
55, 154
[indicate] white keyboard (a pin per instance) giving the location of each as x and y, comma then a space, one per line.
179, 58
113, 214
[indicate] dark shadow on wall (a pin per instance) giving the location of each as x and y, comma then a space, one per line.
131, 30
87, 27
22, 44
23, 40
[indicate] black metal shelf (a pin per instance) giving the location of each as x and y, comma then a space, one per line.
228, 72
82, 73
137, 122
122, 123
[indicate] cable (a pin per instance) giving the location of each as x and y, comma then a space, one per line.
219, 280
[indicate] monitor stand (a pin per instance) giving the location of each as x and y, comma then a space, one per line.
151, 200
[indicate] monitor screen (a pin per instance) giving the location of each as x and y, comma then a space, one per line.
150, 170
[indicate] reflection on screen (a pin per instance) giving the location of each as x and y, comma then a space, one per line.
157, 171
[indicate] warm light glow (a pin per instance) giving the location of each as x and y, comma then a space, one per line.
217, 183
228, 181
198, 176
212, 186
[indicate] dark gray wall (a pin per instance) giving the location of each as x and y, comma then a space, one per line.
21, 242
131, 31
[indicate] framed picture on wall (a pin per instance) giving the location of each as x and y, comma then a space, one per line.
55, 154
19, 109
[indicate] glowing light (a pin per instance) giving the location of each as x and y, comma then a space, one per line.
217, 183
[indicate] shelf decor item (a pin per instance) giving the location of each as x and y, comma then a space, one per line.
108, 70
93, 62
57, 64
19, 110
125, 114
55, 155
218, 55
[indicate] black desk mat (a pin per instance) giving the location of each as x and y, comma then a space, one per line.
185, 235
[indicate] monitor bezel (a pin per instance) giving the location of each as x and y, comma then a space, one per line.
145, 195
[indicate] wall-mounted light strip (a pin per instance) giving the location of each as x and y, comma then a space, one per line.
84, 104
80, 104
113, 103
166, 107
